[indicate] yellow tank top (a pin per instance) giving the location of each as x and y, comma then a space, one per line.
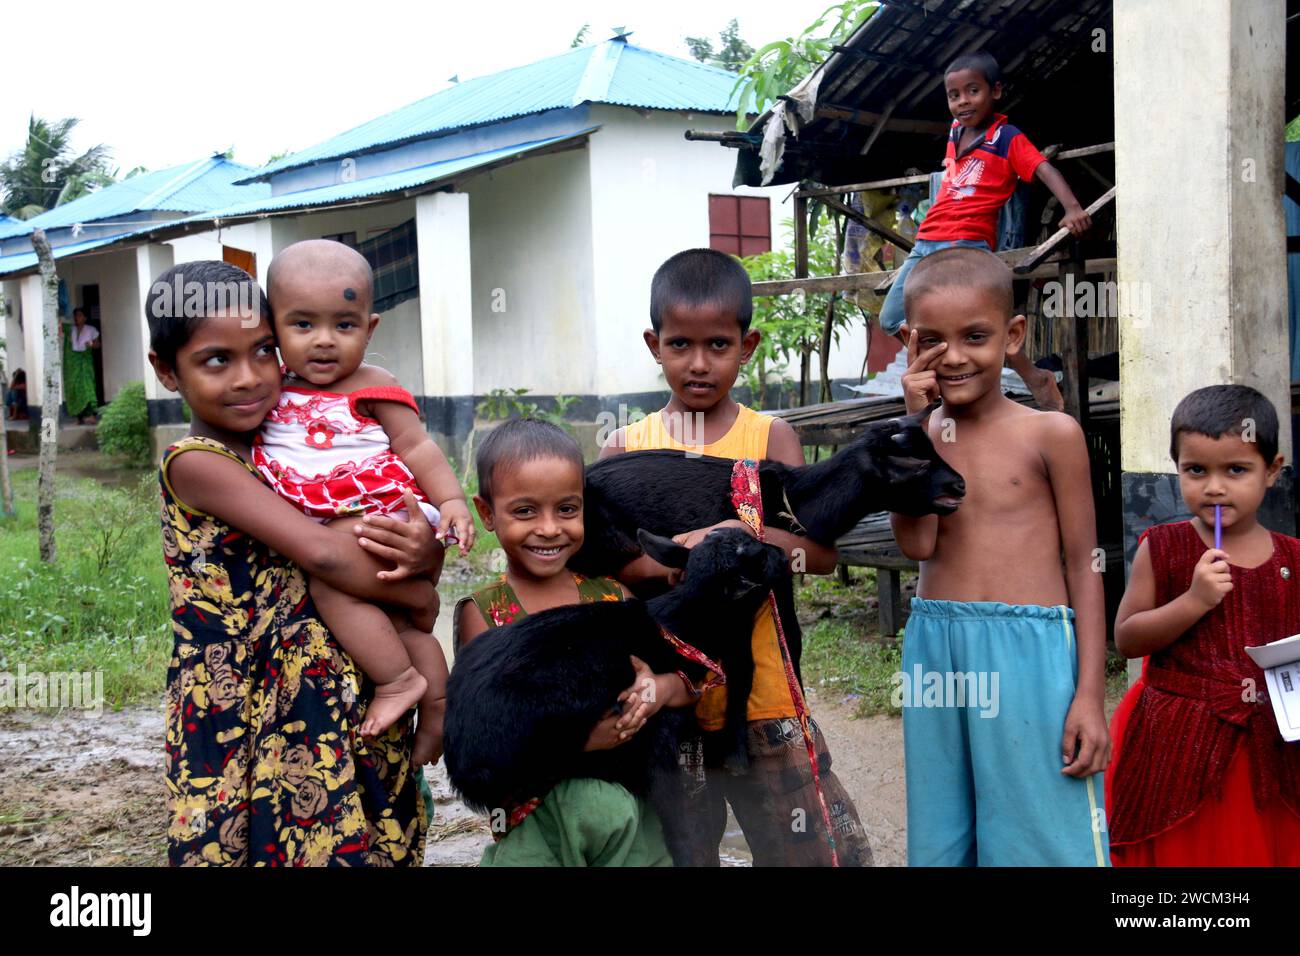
747, 438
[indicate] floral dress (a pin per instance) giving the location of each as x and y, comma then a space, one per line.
264, 766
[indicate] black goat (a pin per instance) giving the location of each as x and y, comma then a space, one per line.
892, 466
523, 699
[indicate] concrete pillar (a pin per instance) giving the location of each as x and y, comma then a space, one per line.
264, 247
34, 341
446, 318
1202, 266
150, 261
15, 344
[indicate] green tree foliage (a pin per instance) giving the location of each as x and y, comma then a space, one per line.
777, 66
580, 37
732, 53
45, 173
794, 327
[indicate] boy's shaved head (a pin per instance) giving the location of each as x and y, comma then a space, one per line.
962, 267
324, 257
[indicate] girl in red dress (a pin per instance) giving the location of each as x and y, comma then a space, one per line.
1201, 775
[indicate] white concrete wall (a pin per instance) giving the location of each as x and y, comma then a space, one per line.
650, 189
208, 245
530, 237
33, 337
151, 261
16, 351
396, 345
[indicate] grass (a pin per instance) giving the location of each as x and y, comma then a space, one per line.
103, 605
843, 652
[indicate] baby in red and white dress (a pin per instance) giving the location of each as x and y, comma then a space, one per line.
346, 441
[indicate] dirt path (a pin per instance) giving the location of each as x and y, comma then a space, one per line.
82, 790
78, 789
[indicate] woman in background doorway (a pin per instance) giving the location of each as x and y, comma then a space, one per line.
79, 368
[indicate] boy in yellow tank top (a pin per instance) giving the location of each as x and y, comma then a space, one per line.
700, 308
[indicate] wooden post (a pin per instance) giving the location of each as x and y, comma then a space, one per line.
801, 272
800, 237
888, 595
51, 397
1072, 338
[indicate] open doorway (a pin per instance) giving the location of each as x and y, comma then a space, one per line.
90, 302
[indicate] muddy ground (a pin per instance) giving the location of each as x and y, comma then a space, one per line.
80, 790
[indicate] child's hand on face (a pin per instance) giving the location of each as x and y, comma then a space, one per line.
1211, 579
456, 523
920, 381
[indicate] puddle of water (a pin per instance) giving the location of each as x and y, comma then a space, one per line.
734, 851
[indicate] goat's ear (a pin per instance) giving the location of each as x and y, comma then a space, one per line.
917, 417
664, 550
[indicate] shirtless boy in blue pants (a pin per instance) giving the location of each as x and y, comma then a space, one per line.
1010, 599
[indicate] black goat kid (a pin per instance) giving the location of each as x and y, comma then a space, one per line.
523, 699
892, 466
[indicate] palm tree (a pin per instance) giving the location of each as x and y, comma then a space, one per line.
45, 173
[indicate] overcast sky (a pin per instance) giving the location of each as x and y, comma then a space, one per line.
164, 83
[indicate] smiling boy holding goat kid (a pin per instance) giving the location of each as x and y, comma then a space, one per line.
1015, 784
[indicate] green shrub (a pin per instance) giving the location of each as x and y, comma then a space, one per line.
124, 425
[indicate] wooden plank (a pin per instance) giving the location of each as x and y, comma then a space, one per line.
858, 187
889, 593
889, 235
800, 237
1072, 344
1052, 152
1086, 151
880, 281
848, 114
1045, 249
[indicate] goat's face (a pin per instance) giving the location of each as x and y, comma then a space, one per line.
728, 565
918, 481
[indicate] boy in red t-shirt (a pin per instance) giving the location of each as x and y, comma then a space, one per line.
985, 159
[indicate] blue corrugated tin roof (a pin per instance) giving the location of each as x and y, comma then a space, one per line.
611, 72
184, 189
22, 261
379, 185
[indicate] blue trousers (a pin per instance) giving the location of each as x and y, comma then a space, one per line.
891, 313
986, 687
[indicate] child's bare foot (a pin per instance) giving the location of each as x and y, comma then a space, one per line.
1042, 385
427, 745
392, 700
